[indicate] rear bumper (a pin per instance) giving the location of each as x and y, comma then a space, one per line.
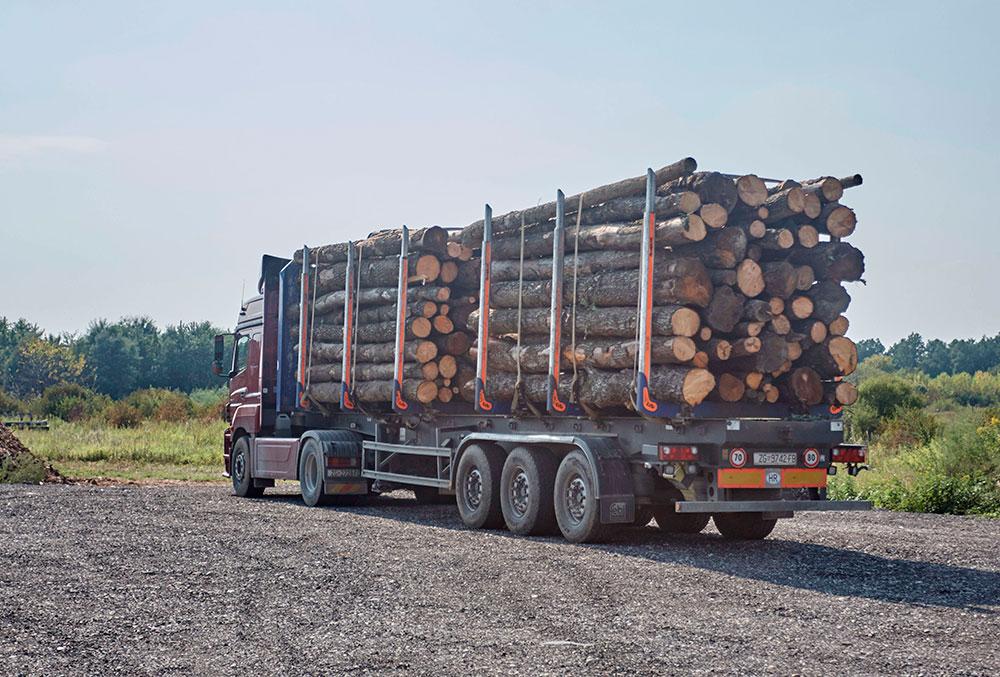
768, 506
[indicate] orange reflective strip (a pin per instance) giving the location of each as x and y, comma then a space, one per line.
803, 477
741, 478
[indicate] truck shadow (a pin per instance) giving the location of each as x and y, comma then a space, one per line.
840, 572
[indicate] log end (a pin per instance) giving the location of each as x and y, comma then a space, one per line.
751, 190
685, 322
698, 383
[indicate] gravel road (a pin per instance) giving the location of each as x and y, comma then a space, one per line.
188, 579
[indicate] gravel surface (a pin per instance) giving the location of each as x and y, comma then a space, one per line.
188, 579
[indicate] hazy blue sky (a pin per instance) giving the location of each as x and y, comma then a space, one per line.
151, 152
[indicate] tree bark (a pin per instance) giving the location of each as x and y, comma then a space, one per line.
829, 300
710, 186
780, 279
784, 204
626, 209
720, 249
836, 356
836, 261
836, 220
668, 320
383, 243
827, 188
588, 263
725, 310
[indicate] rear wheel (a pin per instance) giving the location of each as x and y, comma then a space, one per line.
672, 522
575, 496
526, 491
743, 526
311, 467
240, 470
477, 486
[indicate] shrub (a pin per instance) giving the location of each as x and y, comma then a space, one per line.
909, 427
208, 402
10, 404
22, 469
70, 402
122, 415
160, 404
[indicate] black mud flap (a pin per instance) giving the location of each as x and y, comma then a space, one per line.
615, 479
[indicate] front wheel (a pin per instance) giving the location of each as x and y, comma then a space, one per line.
577, 510
240, 470
311, 468
743, 526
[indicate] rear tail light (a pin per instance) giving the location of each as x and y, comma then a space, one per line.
850, 453
674, 453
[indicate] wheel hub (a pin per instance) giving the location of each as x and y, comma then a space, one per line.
239, 467
576, 498
520, 491
473, 490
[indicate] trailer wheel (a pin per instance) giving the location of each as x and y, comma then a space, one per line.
743, 526
575, 498
312, 465
526, 486
671, 522
477, 486
240, 470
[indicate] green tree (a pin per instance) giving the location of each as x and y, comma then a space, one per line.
186, 357
112, 359
907, 353
868, 347
936, 359
38, 364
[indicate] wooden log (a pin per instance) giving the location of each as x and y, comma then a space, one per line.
468, 276
772, 354
749, 278
603, 389
826, 188
472, 235
837, 261
442, 324
383, 243
424, 392
722, 277
718, 349
776, 239
813, 331
839, 326
801, 307
836, 356
704, 333
784, 204
447, 366
449, 272
804, 278
626, 209
776, 304
756, 229
376, 332
851, 181
803, 386
456, 343
771, 393
757, 310
783, 186
745, 346
836, 220
444, 394
714, 215
830, 299
334, 300
604, 354
720, 249
588, 263
811, 205
725, 309
780, 278
369, 371
710, 186
676, 280
667, 320
751, 190
807, 235
780, 325
749, 328
458, 251
700, 359
841, 393
615, 236
794, 350
730, 388
753, 379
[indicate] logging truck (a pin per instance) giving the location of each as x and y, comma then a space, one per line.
522, 451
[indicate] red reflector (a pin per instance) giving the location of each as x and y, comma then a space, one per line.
853, 453
671, 453
340, 462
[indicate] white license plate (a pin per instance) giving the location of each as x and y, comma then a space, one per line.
775, 458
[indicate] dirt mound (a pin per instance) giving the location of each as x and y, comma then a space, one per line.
13, 453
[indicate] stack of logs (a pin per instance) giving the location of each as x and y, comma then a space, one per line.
748, 292
442, 292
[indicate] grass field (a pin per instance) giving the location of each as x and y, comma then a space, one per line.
191, 450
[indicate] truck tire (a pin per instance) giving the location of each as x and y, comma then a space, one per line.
575, 497
312, 466
526, 486
477, 486
743, 526
240, 470
671, 522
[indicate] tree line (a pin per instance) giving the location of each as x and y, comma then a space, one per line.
111, 358
935, 357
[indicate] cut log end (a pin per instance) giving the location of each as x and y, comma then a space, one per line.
698, 383
714, 215
751, 190
731, 388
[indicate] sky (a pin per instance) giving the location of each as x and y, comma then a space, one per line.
150, 153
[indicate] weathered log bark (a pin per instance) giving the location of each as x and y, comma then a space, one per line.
725, 309
472, 235
826, 188
836, 220
615, 236
749, 328
749, 278
839, 326
751, 190
783, 186
803, 386
780, 325
784, 204
804, 278
836, 356
722, 277
714, 215
534, 357
780, 278
830, 299
710, 186
757, 310
745, 346
851, 181
612, 389
468, 276
384, 243
668, 320
776, 239
626, 209
718, 349
813, 331
676, 280
772, 354
837, 261
720, 249
366, 371
588, 263
456, 343
334, 300
375, 391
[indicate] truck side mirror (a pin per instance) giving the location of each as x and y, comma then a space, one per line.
219, 367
